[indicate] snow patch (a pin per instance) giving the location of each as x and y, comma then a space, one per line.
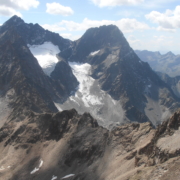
58, 106
2, 168
46, 56
82, 73
41, 163
37, 169
147, 90
54, 177
67, 176
94, 53
71, 98
34, 171
114, 102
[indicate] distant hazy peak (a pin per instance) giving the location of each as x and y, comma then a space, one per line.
166, 63
169, 53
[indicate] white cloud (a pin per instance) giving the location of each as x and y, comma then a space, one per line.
168, 21
58, 9
7, 11
130, 13
20, 4
133, 40
129, 25
12, 7
162, 43
126, 25
70, 36
111, 3
66, 35
54, 27
160, 28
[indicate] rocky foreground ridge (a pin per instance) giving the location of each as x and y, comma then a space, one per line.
66, 144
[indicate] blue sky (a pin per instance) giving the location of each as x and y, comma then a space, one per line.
152, 25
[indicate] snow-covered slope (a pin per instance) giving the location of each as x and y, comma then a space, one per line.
82, 73
90, 98
46, 55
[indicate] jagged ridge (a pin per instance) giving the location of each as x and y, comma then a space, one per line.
69, 143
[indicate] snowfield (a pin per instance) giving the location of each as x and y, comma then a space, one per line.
46, 55
82, 73
89, 97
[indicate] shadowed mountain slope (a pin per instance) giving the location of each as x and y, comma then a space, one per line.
23, 79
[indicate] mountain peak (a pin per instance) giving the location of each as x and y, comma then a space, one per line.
107, 28
15, 17
170, 53
107, 33
14, 20
95, 39
34, 33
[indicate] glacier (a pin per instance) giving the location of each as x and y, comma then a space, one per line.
89, 97
82, 73
45, 55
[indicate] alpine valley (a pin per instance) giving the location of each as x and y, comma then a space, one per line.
85, 109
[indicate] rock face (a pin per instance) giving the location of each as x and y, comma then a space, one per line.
140, 94
95, 39
23, 79
66, 144
167, 63
34, 35
63, 74
173, 82
23, 84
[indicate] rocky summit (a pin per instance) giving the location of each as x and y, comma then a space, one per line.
83, 110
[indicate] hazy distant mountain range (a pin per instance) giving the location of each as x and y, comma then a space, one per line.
166, 63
